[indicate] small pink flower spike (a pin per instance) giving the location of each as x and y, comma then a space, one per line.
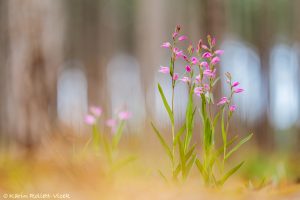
182, 38
204, 47
175, 76
188, 68
111, 123
235, 84
164, 70
232, 108
215, 60
185, 79
97, 111
222, 101
238, 90
90, 119
213, 41
194, 60
219, 52
178, 52
124, 115
198, 91
206, 55
166, 45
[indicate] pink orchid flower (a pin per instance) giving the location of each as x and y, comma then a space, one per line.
222, 101
235, 84
164, 70
90, 119
204, 64
198, 91
198, 79
206, 55
238, 90
175, 76
97, 111
124, 115
194, 60
219, 52
166, 45
204, 47
232, 108
185, 79
182, 38
215, 60
178, 52
210, 73
188, 68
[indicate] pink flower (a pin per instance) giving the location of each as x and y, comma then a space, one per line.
206, 87
198, 91
199, 45
194, 60
238, 90
185, 79
198, 79
204, 64
111, 123
175, 34
210, 73
206, 55
166, 45
181, 38
185, 58
215, 60
232, 108
235, 84
97, 111
204, 47
90, 119
164, 70
175, 76
213, 41
222, 101
124, 115
177, 52
188, 68
219, 52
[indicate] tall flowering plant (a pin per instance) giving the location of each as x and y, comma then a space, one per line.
108, 144
201, 77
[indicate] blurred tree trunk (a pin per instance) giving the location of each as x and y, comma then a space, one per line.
35, 49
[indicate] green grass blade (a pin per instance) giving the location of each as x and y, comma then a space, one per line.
189, 166
201, 169
118, 135
166, 104
230, 173
117, 166
182, 157
163, 176
190, 152
163, 142
238, 145
179, 133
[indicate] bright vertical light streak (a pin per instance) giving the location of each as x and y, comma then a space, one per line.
284, 86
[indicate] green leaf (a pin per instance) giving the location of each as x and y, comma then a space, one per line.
162, 141
182, 157
166, 104
216, 81
123, 163
224, 134
229, 173
118, 134
190, 152
238, 145
177, 170
190, 112
201, 169
163, 176
179, 133
189, 165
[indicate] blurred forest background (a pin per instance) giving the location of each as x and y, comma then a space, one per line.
58, 57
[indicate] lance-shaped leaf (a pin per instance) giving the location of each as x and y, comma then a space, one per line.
178, 134
201, 169
163, 142
238, 145
166, 104
229, 173
163, 176
118, 134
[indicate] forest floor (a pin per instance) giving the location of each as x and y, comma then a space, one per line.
57, 174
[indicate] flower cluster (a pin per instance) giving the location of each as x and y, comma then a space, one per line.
201, 67
200, 75
96, 112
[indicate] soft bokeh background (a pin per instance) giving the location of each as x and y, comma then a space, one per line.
58, 57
